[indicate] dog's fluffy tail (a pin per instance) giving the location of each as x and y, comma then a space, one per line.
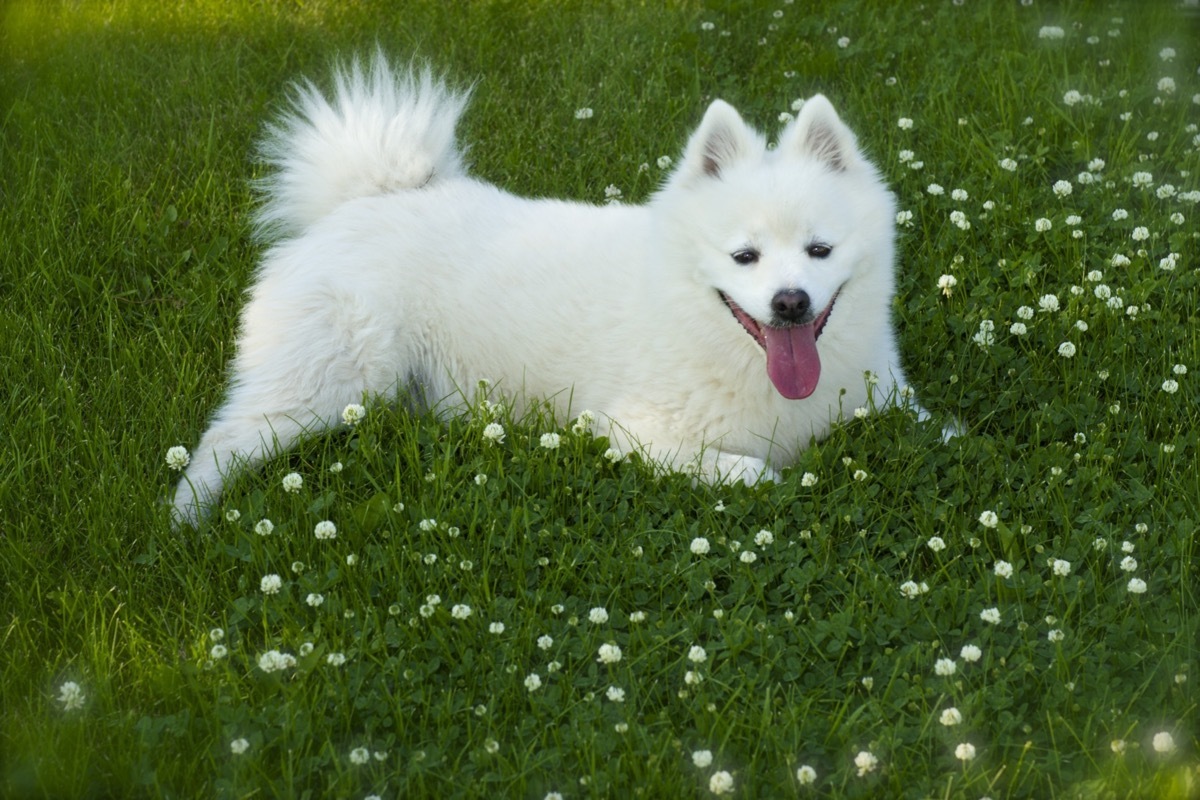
381, 130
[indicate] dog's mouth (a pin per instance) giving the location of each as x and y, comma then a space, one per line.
793, 364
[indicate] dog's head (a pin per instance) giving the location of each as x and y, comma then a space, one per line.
779, 235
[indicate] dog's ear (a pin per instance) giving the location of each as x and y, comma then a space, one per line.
819, 133
722, 139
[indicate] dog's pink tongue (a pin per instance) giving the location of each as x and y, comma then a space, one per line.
792, 361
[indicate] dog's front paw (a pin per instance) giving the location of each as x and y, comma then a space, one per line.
731, 468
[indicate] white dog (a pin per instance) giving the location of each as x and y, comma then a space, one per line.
719, 328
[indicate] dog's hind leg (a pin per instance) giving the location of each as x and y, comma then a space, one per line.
291, 376
242, 436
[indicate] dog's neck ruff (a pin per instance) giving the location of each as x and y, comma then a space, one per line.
793, 364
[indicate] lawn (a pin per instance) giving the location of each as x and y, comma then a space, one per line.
410, 608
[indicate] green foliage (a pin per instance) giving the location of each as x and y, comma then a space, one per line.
125, 137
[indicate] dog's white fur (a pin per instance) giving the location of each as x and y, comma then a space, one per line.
391, 269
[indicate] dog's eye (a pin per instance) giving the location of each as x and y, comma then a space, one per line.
747, 256
819, 250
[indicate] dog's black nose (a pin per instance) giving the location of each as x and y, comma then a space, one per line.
791, 305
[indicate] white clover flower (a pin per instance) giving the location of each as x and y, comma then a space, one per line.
764, 537
353, 414
1055, 635
550, 441
271, 584
910, 589
806, 775
1003, 569
935, 189
904, 123
315, 600
700, 546
1136, 586
292, 482
905, 156
1140, 234
1163, 742
702, 758
71, 696
808, 479
965, 751
496, 628
239, 746
947, 283
1063, 188
545, 642
360, 756
264, 527
1018, 329
637, 616
748, 557
936, 544
945, 667
990, 616
950, 717
335, 659
616, 694
1008, 164
1060, 567
1048, 303
218, 652
959, 195
1166, 85
970, 653
494, 432
584, 113
692, 678
843, 42
275, 661
598, 615
178, 457
697, 654
583, 423
721, 781
960, 221
1072, 97
1129, 564
985, 336
866, 762
663, 162
325, 530
989, 519
460, 611
1051, 32
904, 218
1041, 225
1167, 53
1170, 386
609, 653
533, 682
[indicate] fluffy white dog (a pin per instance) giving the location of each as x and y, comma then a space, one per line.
719, 328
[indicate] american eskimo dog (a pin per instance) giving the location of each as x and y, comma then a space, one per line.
719, 328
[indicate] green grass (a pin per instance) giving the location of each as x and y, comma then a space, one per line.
127, 130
